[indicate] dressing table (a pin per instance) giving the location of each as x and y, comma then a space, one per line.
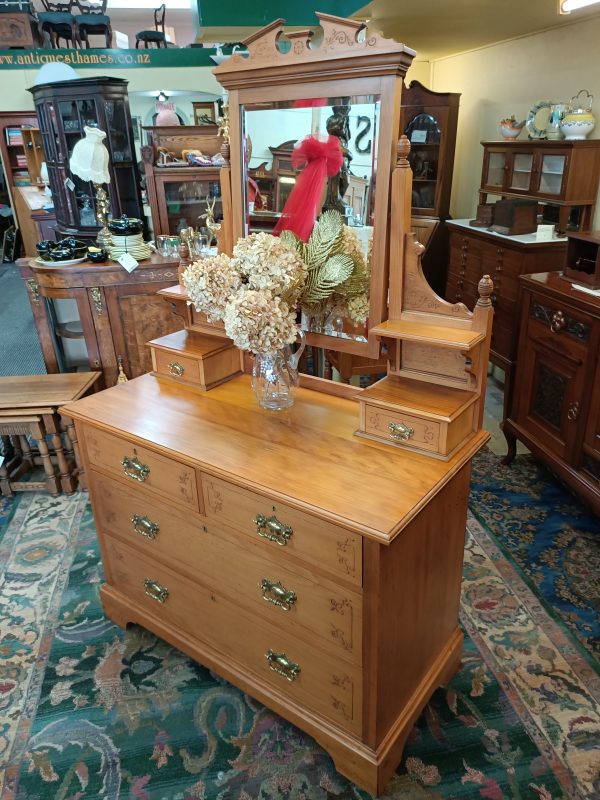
310, 556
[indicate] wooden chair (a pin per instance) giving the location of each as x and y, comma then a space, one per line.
57, 22
93, 20
158, 35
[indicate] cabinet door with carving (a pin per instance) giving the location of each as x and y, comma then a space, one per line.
591, 443
137, 315
552, 375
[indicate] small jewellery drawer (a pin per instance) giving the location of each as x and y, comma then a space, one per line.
177, 366
402, 428
285, 530
294, 600
397, 411
194, 360
142, 467
314, 679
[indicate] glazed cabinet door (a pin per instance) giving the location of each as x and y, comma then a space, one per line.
495, 167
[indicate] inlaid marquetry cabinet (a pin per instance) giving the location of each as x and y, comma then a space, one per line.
555, 406
318, 571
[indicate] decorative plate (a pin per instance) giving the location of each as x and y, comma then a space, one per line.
538, 119
68, 263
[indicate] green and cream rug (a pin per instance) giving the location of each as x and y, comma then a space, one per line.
90, 711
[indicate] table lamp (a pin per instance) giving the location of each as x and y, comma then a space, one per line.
89, 161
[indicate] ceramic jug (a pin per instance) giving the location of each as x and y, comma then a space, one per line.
557, 113
578, 121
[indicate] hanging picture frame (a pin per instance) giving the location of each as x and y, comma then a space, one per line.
205, 113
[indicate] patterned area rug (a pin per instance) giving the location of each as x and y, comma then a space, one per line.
90, 711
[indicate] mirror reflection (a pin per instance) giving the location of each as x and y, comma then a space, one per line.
317, 158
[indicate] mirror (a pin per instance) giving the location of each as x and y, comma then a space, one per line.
271, 131
342, 83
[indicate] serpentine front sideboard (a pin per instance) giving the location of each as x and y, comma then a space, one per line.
318, 571
91, 316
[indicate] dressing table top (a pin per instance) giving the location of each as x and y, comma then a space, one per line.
306, 455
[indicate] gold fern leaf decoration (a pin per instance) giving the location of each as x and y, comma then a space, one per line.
325, 239
322, 281
293, 242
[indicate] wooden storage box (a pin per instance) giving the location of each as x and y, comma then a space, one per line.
512, 217
484, 217
430, 419
583, 258
195, 360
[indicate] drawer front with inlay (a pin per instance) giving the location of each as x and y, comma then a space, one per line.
285, 529
325, 684
208, 553
142, 467
402, 428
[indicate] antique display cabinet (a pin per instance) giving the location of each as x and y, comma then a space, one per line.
64, 108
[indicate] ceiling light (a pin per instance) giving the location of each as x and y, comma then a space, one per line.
162, 97
566, 6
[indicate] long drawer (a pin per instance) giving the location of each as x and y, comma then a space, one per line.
210, 554
320, 682
292, 532
141, 466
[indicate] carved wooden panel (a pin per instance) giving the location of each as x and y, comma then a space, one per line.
138, 315
15, 30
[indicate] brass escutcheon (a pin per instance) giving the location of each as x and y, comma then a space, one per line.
154, 590
280, 663
175, 368
145, 527
277, 594
134, 468
272, 529
400, 431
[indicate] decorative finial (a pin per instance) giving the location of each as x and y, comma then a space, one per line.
485, 288
226, 153
402, 151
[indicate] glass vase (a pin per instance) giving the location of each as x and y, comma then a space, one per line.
275, 377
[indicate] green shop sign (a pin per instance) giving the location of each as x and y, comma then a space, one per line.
117, 59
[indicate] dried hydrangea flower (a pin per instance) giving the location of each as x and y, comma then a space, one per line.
266, 262
210, 282
255, 320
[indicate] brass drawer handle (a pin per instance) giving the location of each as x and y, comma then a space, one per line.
154, 590
272, 529
573, 411
144, 526
134, 468
175, 368
400, 431
281, 664
558, 322
277, 594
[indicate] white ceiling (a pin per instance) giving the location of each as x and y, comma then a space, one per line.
438, 28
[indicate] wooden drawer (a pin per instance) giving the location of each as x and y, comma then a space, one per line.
425, 436
140, 466
323, 684
285, 530
194, 360
210, 555
560, 327
397, 411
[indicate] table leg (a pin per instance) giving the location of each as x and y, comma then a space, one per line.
38, 431
73, 437
25, 451
67, 480
4, 479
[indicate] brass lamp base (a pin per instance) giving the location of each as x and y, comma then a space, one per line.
104, 238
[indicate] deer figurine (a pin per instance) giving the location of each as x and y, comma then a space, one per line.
212, 227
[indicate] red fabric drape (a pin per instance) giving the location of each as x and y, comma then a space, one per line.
319, 157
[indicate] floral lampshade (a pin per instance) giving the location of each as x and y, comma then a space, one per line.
89, 160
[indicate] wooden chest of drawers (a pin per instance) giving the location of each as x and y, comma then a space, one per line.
317, 571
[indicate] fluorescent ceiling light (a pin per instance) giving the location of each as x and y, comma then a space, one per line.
143, 4
566, 6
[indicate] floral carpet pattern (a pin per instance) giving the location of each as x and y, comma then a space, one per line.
88, 710
549, 534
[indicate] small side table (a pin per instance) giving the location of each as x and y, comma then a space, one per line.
29, 409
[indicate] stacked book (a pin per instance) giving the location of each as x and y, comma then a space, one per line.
21, 178
13, 136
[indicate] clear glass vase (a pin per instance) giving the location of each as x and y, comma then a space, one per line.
275, 377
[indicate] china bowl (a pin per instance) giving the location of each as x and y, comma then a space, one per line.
97, 255
509, 131
125, 226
